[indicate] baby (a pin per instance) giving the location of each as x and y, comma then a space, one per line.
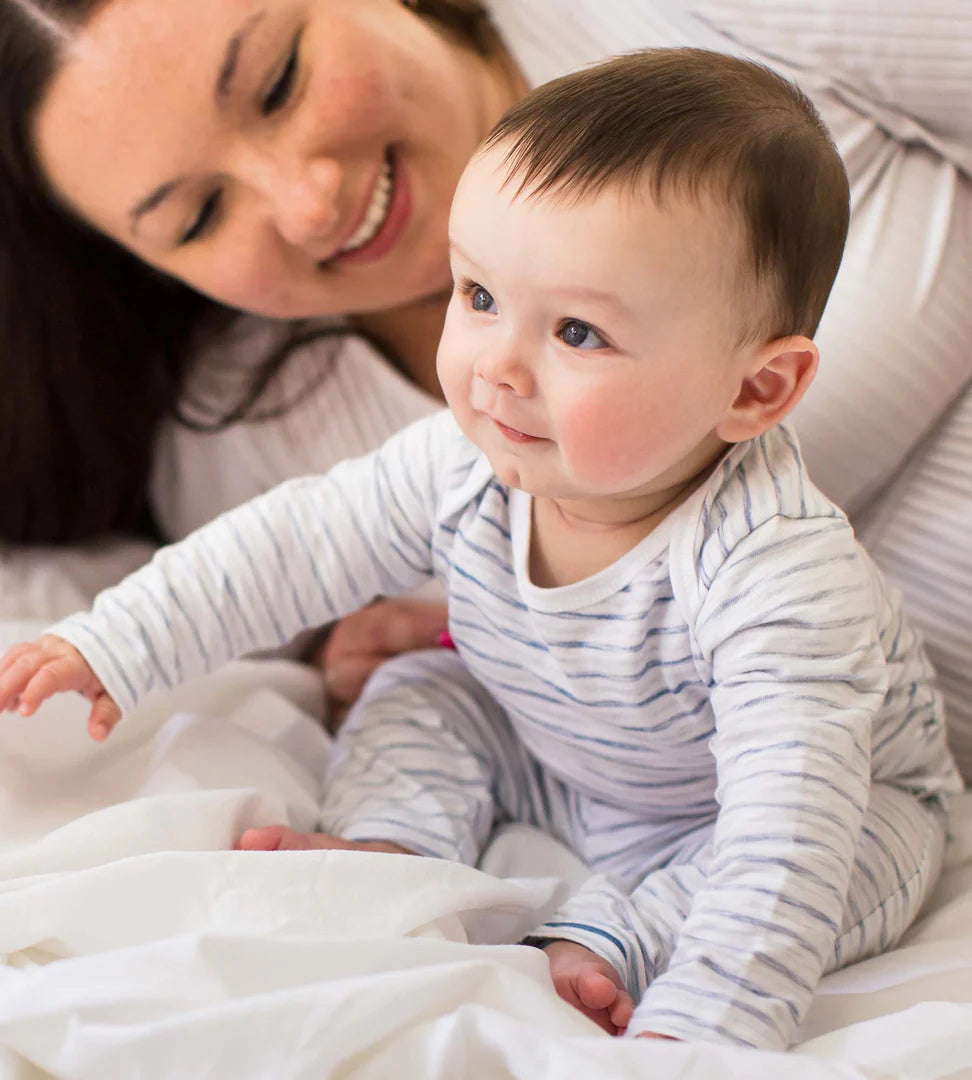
696, 677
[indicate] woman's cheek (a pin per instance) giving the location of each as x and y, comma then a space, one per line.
249, 275
349, 99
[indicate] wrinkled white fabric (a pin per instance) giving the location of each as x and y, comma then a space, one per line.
185, 999
135, 945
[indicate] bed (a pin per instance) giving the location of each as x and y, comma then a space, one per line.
138, 944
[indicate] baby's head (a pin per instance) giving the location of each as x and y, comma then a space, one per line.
642, 252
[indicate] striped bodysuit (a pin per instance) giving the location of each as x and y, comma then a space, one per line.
733, 724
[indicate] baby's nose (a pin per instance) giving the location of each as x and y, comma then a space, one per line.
504, 370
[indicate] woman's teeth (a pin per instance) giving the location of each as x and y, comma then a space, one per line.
375, 214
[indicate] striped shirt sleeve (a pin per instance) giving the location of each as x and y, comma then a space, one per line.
786, 637
307, 552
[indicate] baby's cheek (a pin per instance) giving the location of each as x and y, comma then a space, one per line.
453, 367
607, 443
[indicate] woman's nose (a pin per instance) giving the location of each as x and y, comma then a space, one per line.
303, 201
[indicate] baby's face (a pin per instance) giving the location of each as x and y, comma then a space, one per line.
590, 347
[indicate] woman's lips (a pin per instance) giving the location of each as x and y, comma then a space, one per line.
399, 212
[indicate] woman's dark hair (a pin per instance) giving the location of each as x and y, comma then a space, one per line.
94, 344
467, 19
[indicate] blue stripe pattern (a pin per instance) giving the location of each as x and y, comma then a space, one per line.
724, 696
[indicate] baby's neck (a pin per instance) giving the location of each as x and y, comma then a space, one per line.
572, 541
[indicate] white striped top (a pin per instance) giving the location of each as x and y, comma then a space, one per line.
750, 626
892, 80
745, 661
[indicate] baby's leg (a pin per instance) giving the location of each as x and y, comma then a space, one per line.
898, 861
634, 934
425, 761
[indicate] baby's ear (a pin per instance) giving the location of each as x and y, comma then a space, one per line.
781, 371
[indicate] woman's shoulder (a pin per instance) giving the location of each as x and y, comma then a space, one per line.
897, 56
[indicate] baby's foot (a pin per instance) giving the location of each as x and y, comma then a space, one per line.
589, 983
280, 838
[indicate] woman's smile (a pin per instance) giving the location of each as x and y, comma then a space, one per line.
384, 219
323, 135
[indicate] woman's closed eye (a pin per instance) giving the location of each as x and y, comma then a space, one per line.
580, 335
204, 220
275, 98
283, 85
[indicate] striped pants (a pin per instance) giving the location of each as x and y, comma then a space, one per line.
428, 760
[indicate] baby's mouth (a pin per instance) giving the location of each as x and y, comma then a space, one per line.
515, 435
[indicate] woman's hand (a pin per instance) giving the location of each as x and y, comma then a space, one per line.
360, 642
33, 672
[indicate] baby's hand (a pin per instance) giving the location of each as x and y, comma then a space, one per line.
31, 673
589, 983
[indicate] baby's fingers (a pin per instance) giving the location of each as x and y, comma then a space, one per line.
13, 654
103, 717
17, 668
52, 676
621, 1011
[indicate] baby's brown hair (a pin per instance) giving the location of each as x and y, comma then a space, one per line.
702, 123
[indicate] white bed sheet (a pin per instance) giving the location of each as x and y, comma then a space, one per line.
136, 945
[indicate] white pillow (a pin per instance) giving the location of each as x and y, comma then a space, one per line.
920, 533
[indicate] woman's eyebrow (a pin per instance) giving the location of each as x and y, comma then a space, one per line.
224, 81
233, 48
152, 200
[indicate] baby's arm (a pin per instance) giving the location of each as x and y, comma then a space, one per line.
304, 554
797, 673
33, 672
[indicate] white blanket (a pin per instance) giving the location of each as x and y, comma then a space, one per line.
138, 945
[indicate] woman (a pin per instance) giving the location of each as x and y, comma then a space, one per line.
312, 159
297, 161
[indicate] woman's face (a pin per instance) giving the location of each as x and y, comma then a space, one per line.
288, 157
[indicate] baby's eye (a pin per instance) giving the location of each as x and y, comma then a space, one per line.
481, 300
580, 335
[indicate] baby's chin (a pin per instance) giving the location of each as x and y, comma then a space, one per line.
511, 476
522, 477
529, 471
